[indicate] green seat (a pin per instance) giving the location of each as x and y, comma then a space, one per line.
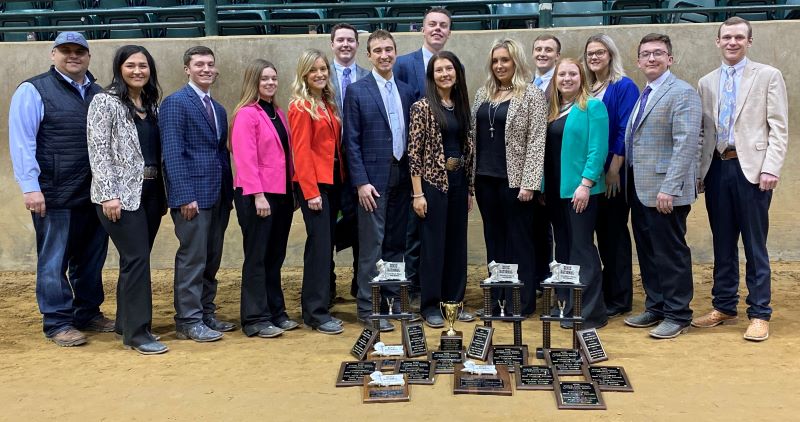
792, 13
178, 31
404, 9
477, 9
59, 5
248, 15
291, 28
529, 9
32, 19
349, 15
643, 18
757, 15
585, 7
698, 16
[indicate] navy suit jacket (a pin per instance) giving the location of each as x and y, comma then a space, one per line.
367, 134
196, 161
410, 68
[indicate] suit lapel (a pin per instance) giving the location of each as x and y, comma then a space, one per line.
419, 69
372, 87
748, 76
266, 120
715, 97
195, 99
662, 90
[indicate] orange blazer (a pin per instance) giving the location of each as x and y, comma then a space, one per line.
314, 143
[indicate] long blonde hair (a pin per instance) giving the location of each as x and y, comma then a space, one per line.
522, 73
555, 95
300, 93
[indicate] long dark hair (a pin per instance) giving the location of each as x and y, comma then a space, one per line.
151, 93
458, 94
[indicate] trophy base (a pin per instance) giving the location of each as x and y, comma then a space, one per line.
454, 343
377, 394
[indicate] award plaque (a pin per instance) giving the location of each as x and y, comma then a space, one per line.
579, 395
608, 378
414, 340
484, 384
390, 271
363, 343
509, 355
564, 361
591, 346
351, 374
446, 360
534, 377
391, 391
417, 371
481, 340
385, 364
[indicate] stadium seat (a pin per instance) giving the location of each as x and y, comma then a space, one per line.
18, 6
793, 13
530, 9
287, 28
692, 17
402, 9
129, 15
179, 31
753, 16
643, 18
349, 14
73, 20
578, 7
234, 15
478, 9
59, 5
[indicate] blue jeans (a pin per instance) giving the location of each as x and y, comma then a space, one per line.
71, 248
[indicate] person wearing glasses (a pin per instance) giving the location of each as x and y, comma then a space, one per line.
661, 150
607, 82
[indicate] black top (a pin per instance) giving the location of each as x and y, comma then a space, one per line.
552, 158
269, 108
149, 140
491, 134
451, 142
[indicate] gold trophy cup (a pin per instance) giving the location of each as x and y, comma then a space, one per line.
450, 311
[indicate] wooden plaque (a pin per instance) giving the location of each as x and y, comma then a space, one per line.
417, 371
578, 395
414, 340
481, 341
466, 383
351, 374
608, 378
509, 355
534, 377
446, 360
377, 394
364, 343
454, 343
564, 361
591, 346
385, 363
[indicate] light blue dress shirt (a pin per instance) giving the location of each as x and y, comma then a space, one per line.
202, 95
737, 79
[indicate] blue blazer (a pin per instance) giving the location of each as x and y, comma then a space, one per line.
620, 98
366, 132
583, 148
196, 162
410, 68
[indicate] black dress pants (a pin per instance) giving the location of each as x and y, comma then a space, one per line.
264, 241
614, 244
443, 236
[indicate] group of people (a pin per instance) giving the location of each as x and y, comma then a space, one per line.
552, 155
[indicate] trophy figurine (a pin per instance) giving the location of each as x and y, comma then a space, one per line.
451, 340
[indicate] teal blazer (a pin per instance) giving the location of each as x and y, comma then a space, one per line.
584, 148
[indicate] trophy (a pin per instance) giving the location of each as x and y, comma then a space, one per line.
451, 340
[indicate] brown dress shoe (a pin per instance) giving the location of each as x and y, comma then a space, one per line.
714, 318
68, 338
758, 330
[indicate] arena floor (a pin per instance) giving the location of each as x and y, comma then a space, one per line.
706, 375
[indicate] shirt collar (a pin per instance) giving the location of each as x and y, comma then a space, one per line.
660, 81
426, 54
86, 79
548, 74
381, 81
340, 69
199, 91
738, 66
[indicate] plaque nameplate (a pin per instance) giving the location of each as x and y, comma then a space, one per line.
534, 377
384, 394
509, 355
351, 374
390, 271
564, 273
480, 343
565, 361
503, 273
591, 346
484, 384
454, 343
446, 360
579, 395
364, 343
414, 340
385, 363
608, 378
418, 371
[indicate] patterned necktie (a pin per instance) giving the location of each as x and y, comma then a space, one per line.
345, 83
727, 108
210, 112
538, 82
638, 119
398, 146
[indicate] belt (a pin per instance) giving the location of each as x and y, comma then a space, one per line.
728, 154
150, 172
454, 163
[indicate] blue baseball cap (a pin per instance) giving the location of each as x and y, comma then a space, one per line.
71, 37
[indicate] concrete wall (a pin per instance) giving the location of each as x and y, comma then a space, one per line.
695, 55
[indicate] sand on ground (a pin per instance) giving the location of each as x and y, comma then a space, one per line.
706, 375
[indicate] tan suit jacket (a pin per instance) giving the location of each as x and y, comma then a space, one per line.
761, 122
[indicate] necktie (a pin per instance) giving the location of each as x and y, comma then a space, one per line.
538, 82
398, 146
638, 119
345, 83
210, 112
727, 108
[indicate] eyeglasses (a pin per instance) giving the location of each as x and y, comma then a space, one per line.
597, 53
657, 54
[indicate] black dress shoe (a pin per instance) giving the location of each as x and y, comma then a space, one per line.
217, 325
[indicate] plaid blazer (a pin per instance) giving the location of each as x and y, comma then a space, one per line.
196, 161
664, 148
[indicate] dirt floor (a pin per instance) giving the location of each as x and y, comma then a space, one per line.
706, 375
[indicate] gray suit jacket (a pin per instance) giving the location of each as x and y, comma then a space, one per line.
664, 147
360, 73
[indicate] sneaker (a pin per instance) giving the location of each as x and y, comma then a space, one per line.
714, 318
330, 327
669, 329
100, 324
152, 348
758, 330
288, 325
68, 338
643, 320
269, 331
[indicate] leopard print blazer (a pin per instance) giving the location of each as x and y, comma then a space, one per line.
114, 153
426, 149
526, 132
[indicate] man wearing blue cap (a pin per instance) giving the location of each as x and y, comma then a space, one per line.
47, 141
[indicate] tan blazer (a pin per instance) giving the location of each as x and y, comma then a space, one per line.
761, 123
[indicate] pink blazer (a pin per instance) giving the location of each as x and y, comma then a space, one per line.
258, 152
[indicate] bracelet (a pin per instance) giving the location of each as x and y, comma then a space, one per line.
413, 195
586, 186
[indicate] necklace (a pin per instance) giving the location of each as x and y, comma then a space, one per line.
565, 107
271, 117
447, 107
505, 88
140, 110
492, 114
599, 89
